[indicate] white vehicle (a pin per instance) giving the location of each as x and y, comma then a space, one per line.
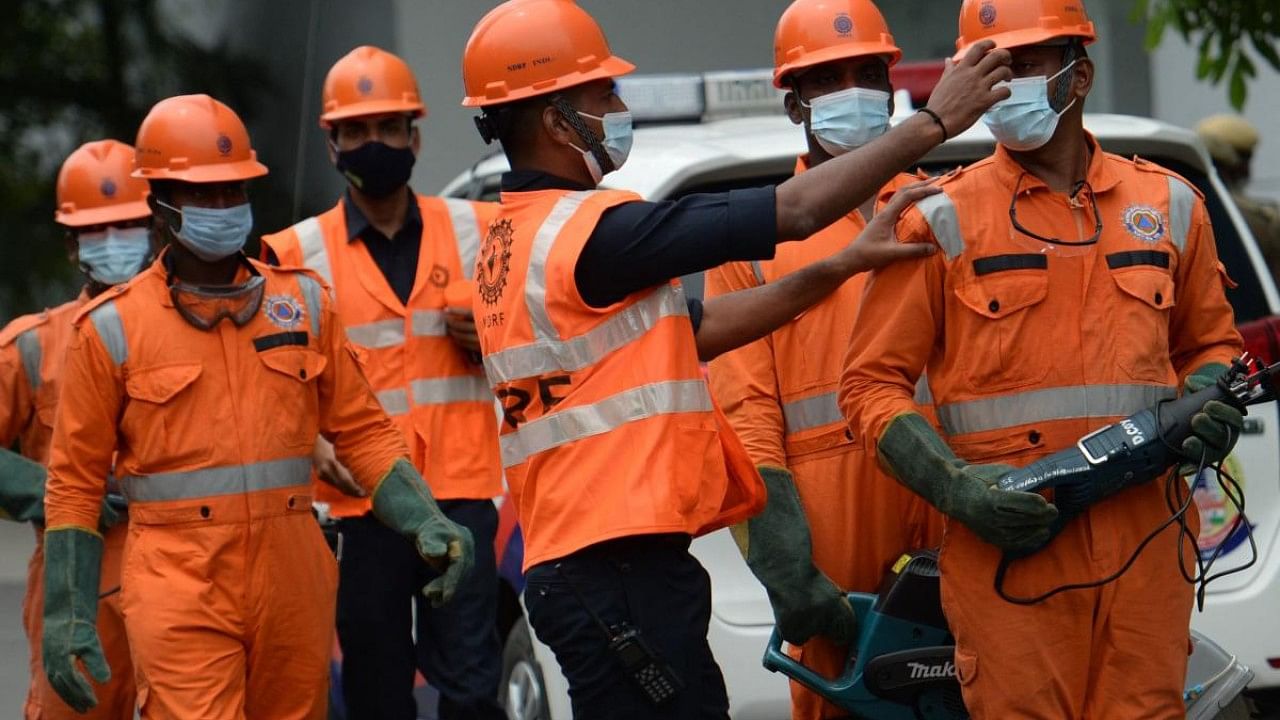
702, 148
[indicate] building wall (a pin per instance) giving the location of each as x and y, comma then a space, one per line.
658, 36
1177, 97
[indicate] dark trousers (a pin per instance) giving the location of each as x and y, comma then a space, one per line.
457, 646
655, 585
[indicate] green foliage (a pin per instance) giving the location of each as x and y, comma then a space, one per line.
1222, 30
75, 71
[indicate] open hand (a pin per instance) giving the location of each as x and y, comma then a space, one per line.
877, 246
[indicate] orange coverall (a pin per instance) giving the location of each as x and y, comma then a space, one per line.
31, 353
228, 586
1027, 350
779, 393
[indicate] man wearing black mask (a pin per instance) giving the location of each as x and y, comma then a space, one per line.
390, 256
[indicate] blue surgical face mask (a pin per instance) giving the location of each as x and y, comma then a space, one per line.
848, 119
1025, 120
618, 136
114, 255
213, 234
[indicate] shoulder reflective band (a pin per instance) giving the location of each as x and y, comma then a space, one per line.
282, 339
550, 355
535, 289
30, 352
311, 297
314, 253
1182, 200
225, 480
944, 222
1115, 261
106, 320
466, 233
811, 412
1002, 263
1062, 403
565, 426
758, 270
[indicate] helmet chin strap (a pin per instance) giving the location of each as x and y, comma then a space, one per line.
571, 116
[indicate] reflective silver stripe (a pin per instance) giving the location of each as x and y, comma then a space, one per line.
758, 271
441, 391
314, 253
394, 402
1061, 403
1182, 200
941, 215
466, 231
29, 350
535, 292
311, 296
547, 355
226, 480
564, 426
923, 395
429, 323
106, 319
381, 334
811, 412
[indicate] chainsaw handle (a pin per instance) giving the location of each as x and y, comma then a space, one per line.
776, 660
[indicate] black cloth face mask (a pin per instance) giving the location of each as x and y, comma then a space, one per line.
375, 168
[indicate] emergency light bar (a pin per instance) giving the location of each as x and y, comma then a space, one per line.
694, 97
708, 96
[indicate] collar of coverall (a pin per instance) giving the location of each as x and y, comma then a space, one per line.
161, 268
1100, 177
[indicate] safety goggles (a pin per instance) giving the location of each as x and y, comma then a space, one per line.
205, 306
1093, 205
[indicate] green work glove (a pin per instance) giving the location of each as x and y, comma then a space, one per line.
1216, 428
21, 488
403, 503
779, 551
914, 453
72, 563
22, 492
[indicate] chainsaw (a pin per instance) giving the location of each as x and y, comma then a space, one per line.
901, 664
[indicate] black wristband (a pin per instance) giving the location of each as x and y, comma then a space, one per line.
945, 135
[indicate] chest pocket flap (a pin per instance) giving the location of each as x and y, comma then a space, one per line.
1000, 294
1151, 286
301, 364
159, 384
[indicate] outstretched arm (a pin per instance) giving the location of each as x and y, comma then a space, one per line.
737, 318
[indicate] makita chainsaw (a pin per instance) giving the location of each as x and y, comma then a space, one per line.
901, 662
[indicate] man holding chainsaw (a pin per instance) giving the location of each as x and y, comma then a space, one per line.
779, 392
1073, 288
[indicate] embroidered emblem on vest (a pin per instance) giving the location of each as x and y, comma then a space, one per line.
494, 261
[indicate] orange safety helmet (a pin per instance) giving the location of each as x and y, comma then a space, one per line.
1014, 23
812, 32
95, 186
369, 81
526, 48
196, 139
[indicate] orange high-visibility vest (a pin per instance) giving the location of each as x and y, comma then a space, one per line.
609, 429
436, 396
